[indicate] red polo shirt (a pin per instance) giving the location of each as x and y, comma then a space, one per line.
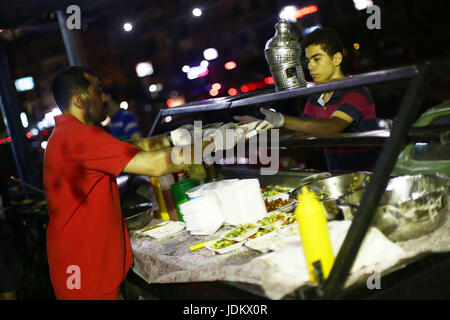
88, 247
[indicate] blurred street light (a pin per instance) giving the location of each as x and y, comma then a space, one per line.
288, 13
128, 27
230, 65
124, 105
210, 54
144, 69
197, 12
24, 119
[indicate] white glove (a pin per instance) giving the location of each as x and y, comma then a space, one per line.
181, 137
245, 118
226, 137
276, 119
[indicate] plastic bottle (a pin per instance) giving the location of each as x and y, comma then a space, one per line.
162, 212
197, 173
312, 224
211, 173
166, 181
181, 176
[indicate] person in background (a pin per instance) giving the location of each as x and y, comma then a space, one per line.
123, 124
88, 246
11, 270
345, 110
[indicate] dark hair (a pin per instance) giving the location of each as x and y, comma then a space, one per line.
328, 39
113, 92
67, 82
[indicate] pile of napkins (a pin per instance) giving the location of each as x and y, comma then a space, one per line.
242, 202
202, 215
230, 202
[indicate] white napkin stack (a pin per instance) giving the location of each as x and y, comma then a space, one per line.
230, 201
242, 202
202, 215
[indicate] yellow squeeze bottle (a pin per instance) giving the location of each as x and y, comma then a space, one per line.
312, 224
160, 198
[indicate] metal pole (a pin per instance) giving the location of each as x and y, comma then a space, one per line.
10, 106
408, 112
72, 42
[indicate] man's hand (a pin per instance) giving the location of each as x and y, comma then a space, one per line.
275, 119
225, 137
181, 136
245, 118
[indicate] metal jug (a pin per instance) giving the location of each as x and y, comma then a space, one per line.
283, 54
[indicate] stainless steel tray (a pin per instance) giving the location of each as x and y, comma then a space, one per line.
412, 206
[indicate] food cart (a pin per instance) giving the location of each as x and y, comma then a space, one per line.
169, 269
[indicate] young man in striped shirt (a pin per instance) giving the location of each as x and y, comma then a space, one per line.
346, 110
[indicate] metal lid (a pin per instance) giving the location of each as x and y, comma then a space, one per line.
283, 37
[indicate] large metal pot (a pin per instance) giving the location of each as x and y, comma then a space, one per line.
138, 216
330, 189
412, 206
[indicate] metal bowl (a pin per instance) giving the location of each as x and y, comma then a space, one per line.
412, 206
139, 216
330, 189
333, 188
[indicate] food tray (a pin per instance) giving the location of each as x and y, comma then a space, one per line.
167, 229
224, 250
282, 196
274, 190
243, 236
274, 240
263, 242
282, 223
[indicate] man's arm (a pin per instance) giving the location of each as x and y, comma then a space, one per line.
160, 162
316, 126
152, 143
136, 135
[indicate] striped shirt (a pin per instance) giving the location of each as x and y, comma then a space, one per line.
355, 105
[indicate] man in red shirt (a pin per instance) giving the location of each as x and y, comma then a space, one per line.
88, 246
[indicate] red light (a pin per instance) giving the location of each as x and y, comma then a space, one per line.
213, 92
268, 80
305, 11
216, 86
203, 74
232, 91
45, 132
28, 135
169, 102
244, 88
8, 139
230, 65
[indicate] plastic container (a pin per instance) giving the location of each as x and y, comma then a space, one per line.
312, 224
195, 192
179, 194
166, 181
162, 209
